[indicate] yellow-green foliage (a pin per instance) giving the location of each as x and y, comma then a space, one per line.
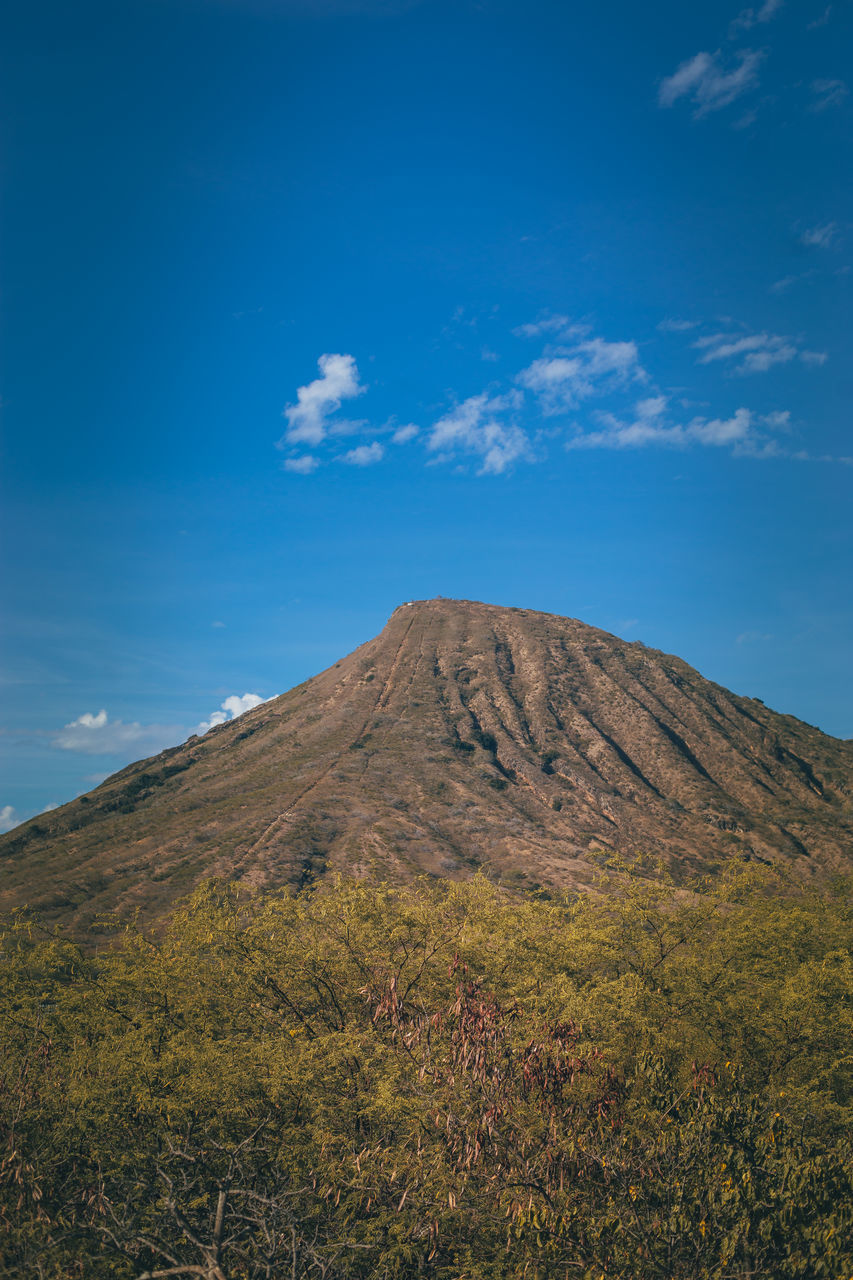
440, 1080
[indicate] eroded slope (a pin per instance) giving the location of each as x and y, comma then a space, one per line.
464, 735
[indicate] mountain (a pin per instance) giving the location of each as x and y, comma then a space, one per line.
462, 736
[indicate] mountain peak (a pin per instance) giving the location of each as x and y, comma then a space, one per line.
464, 736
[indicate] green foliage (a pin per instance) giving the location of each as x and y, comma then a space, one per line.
445, 1080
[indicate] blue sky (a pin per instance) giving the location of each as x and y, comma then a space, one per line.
313, 307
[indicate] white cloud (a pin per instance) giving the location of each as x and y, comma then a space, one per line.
555, 379
236, 704
647, 427
603, 358
749, 18
820, 237
96, 734
233, 706
217, 626
742, 432
707, 84
307, 420
303, 465
404, 434
828, 93
8, 818
754, 352
475, 427
589, 368
720, 431
365, 455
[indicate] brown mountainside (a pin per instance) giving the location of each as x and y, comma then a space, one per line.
462, 736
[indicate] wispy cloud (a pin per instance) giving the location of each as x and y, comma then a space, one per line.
650, 425
405, 433
754, 352
95, 734
550, 325
561, 381
783, 285
303, 465
365, 455
672, 324
823, 236
749, 18
828, 93
479, 426
308, 418
705, 81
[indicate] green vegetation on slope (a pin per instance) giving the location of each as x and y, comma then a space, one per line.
438, 1080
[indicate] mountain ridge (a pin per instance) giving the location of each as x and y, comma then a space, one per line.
463, 736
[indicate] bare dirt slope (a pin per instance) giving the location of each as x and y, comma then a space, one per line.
463, 736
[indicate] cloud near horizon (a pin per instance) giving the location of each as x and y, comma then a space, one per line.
233, 706
10, 818
96, 734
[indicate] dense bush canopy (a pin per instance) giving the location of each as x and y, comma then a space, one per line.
443, 1080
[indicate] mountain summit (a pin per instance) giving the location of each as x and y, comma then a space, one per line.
462, 736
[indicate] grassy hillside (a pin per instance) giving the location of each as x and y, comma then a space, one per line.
440, 1079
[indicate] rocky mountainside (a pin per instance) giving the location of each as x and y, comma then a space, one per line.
463, 736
